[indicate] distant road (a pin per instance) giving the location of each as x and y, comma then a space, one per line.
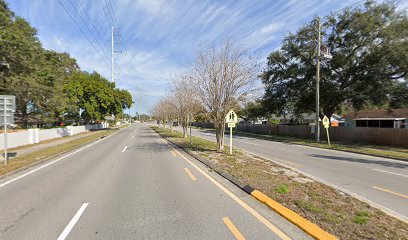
380, 180
131, 185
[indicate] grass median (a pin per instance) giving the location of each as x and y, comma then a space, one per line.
36, 156
334, 211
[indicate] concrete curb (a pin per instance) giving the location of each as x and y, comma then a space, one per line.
304, 224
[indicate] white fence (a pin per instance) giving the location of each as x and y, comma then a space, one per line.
36, 135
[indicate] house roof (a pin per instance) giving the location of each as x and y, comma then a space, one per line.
378, 114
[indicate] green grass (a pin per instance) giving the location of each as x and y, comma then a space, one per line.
282, 189
361, 217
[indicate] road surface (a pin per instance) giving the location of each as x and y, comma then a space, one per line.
384, 182
131, 185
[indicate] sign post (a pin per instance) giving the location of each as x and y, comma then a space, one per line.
231, 119
326, 124
7, 109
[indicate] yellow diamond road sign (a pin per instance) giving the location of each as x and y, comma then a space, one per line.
231, 117
326, 121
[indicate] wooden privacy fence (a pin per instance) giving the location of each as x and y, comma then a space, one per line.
367, 135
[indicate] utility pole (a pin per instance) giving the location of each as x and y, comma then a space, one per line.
317, 81
113, 50
5, 131
139, 106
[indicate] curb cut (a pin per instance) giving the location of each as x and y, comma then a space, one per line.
304, 224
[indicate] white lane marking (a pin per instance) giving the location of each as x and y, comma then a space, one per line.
399, 174
72, 223
248, 143
57, 160
133, 136
124, 149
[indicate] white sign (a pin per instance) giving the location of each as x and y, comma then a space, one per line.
231, 117
231, 125
7, 109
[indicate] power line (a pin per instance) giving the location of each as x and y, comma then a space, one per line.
80, 29
93, 25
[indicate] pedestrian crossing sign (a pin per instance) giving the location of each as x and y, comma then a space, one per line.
231, 117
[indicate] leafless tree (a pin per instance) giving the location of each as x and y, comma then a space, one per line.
223, 75
185, 99
165, 111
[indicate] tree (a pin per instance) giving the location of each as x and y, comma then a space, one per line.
222, 76
97, 96
369, 56
21, 50
161, 111
184, 99
251, 111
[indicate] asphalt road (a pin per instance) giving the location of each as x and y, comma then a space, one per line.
381, 181
131, 185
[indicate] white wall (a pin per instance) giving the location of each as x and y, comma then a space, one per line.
35, 135
15, 139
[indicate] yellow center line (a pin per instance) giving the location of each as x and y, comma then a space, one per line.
244, 205
233, 229
389, 191
174, 155
190, 174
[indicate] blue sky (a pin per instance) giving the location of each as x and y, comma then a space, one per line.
159, 37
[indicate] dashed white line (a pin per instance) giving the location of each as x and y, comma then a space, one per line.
133, 136
124, 149
398, 174
249, 143
72, 223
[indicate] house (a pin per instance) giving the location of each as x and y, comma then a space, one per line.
380, 118
291, 119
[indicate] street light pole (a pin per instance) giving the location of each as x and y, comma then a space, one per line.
5, 131
317, 81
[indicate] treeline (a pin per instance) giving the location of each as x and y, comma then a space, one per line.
49, 86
